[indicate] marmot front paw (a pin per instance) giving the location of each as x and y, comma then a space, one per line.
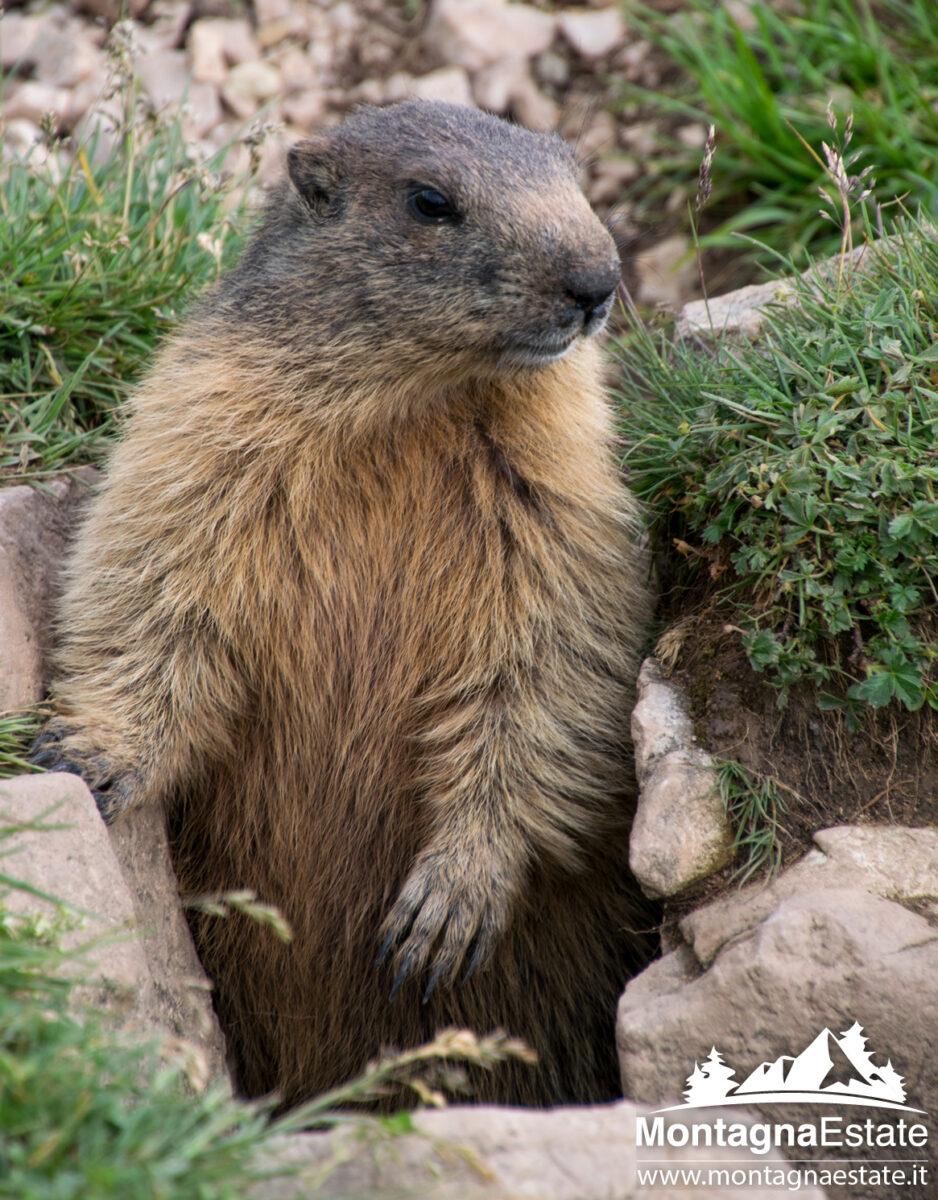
60, 747
449, 911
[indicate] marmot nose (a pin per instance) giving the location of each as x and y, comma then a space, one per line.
593, 293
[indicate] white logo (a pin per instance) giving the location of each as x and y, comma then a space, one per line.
831, 1070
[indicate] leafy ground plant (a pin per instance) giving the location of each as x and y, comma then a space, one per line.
98, 252
766, 84
800, 474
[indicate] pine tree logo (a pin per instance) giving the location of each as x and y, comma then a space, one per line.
710, 1083
830, 1070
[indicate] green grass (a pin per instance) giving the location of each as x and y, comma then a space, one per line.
17, 733
96, 260
768, 86
755, 806
801, 474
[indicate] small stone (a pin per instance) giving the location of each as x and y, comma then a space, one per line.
165, 77
167, 28
475, 33
660, 724
305, 110
248, 85
494, 86
632, 60
642, 138
217, 43
693, 135
272, 33
599, 137
396, 88
680, 834
201, 109
612, 176
65, 57
450, 84
31, 100
18, 33
207, 52
667, 273
593, 34
552, 69
297, 71
271, 10
532, 108
20, 137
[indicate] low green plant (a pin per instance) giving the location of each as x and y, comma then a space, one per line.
755, 805
17, 733
801, 474
98, 252
766, 84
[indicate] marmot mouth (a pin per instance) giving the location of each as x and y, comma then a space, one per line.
537, 351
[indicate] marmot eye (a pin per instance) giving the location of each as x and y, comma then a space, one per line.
430, 205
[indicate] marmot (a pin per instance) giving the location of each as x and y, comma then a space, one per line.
360, 603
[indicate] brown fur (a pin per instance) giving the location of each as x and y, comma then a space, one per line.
360, 602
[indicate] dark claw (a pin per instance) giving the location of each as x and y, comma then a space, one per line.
385, 947
434, 980
474, 961
402, 974
61, 766
45, 738
44, 758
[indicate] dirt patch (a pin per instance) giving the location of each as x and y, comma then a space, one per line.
885, 771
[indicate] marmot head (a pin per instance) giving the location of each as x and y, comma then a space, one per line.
461, 242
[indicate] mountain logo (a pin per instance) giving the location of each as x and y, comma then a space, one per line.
830, 1070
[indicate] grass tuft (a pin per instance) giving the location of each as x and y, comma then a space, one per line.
98, 254
755, 806
767, 83
800, 474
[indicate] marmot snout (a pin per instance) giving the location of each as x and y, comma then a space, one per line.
360, 604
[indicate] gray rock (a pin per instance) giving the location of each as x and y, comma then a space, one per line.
33, 100
740, 314
448, 83
67, 854
214, 44
885, 860
660, 723
593, 34
151, 984
248, 85
165, 76
475, 33
586, 1153
66, 55
666, 272
35, 528
845, 936
18, 33
680, 834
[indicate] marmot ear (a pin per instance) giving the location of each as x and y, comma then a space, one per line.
314, 169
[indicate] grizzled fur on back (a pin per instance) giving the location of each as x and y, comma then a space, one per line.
360, 604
